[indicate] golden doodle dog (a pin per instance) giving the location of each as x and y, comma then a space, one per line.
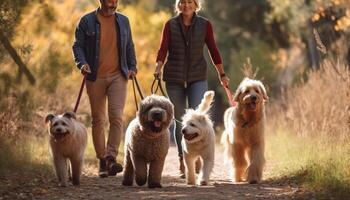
199, 141
68, 139
147, 142
243, 137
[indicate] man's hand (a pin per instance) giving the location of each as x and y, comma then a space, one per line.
131, 74
85, 69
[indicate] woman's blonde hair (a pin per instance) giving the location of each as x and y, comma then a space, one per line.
197, 2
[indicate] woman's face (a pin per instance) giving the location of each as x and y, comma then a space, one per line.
187, 7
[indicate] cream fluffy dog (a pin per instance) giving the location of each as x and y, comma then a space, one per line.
243, 137
147, 142
199, 141
68, 139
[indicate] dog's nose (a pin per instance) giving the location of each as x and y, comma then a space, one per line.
253, 98
157, 115
183, 131
59, 130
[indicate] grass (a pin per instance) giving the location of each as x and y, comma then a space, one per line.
25, 154
308, 133
313, 163
30, 154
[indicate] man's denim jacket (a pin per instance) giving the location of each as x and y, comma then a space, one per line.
87, 43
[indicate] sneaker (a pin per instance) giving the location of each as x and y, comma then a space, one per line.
102, 171
113, 166
182, 168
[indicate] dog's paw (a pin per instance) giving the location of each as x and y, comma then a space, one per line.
140, 181
191, 183
203, 183
253, 182
154, 185
76, 182
127, 182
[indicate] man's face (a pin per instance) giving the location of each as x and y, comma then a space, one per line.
109, 6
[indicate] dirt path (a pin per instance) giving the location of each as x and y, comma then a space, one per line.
93, 187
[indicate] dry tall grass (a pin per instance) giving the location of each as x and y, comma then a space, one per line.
309, 131
319, 107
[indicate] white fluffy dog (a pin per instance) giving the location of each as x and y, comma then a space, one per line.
199, 141
244, 131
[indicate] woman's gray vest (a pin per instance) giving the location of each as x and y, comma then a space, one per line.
185, 62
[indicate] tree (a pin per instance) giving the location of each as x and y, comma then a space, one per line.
10, 12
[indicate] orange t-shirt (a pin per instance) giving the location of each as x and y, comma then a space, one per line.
109, 55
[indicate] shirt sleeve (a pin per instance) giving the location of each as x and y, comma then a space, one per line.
164, 45
211, 44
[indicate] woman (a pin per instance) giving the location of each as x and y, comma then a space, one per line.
185, 72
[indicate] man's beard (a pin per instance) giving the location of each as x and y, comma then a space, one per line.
111, 10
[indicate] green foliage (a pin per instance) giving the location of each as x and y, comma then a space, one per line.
259, 53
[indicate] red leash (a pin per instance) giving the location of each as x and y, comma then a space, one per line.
229, 96
80, 93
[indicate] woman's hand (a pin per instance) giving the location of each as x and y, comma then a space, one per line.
158, 71
224, 80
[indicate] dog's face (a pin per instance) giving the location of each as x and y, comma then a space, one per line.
195, 126
60, 125
156, 113
251, 94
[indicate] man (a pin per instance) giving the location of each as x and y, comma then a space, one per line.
104, 51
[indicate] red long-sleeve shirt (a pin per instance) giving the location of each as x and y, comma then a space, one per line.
209, 41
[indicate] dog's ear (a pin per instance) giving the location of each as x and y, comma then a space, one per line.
263, 90
49, 117
69, 115
236, 96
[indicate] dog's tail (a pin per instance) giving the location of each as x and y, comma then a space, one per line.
206, 102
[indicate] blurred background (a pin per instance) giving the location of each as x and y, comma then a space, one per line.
299, 49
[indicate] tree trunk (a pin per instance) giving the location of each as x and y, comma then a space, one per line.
12, 51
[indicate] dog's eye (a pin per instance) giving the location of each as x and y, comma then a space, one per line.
64, 124
192, 124
257, 91
55, 124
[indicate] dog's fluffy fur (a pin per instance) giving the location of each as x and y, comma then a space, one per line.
198, 141
243, 137
147, 142
68, 139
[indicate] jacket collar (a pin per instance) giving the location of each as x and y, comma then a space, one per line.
98, 9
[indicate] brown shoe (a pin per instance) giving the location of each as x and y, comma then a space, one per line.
102, 171
182, 168
113, 167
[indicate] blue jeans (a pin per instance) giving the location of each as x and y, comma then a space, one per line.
184, 96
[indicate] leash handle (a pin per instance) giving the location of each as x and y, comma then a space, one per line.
229, 96
159, 85
80, 93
